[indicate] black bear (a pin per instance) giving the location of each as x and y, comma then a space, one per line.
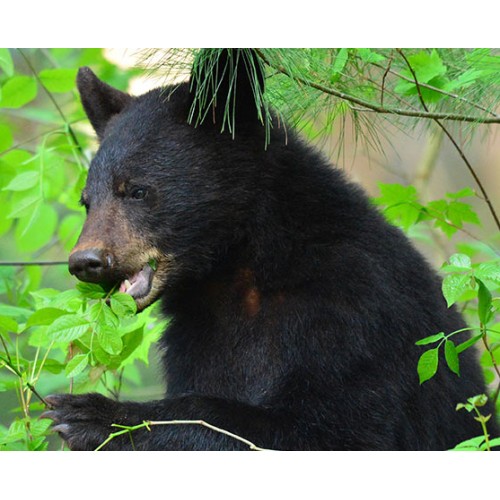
295, 306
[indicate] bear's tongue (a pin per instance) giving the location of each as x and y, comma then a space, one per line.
138, 285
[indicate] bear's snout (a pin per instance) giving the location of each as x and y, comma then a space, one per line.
92, 265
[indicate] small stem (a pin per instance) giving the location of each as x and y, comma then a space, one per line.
481, 419
493, 361
20, 375
149, 423
40, 263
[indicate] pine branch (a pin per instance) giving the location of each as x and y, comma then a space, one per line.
369, 106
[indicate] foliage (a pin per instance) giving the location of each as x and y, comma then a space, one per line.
57, 335
54, 336
313, 88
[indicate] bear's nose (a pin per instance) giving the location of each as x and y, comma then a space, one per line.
92, 265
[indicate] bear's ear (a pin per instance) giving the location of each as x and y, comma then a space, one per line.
226, 87
100, 100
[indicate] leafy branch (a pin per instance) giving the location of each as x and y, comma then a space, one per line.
54, 102
10, 365
450, 137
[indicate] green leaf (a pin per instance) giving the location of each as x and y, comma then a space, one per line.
428, 68
39, 427
473, 444
23, 181
59, 79
454, 285
428, 365
401, 202
8, 324
131, 341
484, 311
465, 345
463, 193
6, 139
451, 356
18, 91
67, 328
102, 314
37, 229
495, 442
109, 339
69, 229
50, 365
123, 304
339, 63
459, 212
369, 56
45, 316
91, 290
6, 63
76, 365
461, 261
430, 339
488, 271
394, 194
20, 313
24, 203
478, 401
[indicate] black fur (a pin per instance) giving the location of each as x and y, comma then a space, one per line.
295, 306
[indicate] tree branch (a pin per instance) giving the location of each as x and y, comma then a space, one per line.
455, 144
374, 107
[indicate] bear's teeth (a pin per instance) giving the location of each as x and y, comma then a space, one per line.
125, 285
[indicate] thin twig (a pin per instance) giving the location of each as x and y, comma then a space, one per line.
384, 76
40, 263
251, 445
493, 361
455, 144
148, 423
11, 366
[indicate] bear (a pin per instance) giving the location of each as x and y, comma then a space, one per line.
295, 306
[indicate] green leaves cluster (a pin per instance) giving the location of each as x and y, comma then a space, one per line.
474, 283
401, 206
84, 335
483, 442
54, 337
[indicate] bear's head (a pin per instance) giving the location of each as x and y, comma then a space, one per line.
168, 193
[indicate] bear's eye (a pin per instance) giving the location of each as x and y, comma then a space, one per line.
138, 193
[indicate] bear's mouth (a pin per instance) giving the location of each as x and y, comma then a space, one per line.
139, 285
147, 284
